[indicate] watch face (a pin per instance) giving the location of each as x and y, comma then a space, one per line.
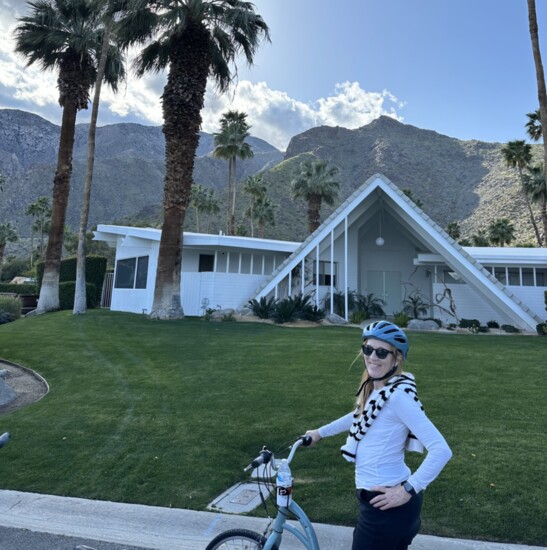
409, 488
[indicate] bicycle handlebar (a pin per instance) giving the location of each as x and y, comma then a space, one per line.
265, 456
4, 438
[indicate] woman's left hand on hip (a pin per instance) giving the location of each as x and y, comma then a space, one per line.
391, 497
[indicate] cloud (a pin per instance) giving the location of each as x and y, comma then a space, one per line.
276, 117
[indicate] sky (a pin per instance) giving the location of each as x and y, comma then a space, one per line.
463, 68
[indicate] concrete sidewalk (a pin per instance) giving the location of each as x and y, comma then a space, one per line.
170, 529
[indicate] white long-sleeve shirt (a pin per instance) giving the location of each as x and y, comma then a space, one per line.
380, 458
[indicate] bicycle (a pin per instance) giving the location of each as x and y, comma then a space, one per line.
244, 539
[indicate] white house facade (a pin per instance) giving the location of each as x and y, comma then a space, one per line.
377, 242
218, 271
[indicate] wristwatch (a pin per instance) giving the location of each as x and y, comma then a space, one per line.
409, 489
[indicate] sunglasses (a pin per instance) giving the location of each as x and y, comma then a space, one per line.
381, 353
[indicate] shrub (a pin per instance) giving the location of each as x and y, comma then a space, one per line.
493, 324
483, 329
414, 305
66, 294
6, 317
18, 289
285, 311
370, 305
339, 301
314, 314
401, 319
357, 317
470, 323
10, 305
510, 329
262, 308
541, 329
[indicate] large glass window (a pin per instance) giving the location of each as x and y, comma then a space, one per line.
541, 277
527, 276
131, 273
514, 276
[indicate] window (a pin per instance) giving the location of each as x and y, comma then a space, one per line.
500, 274
514, 276
527, 276
206, 262
325, 275
131, 272
541, 277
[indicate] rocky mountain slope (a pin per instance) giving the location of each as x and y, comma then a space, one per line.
463, 181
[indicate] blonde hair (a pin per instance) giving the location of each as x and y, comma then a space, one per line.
366, 386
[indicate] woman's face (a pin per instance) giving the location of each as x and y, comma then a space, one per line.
377, 367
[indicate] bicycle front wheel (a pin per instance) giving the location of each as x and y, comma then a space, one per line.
238, 539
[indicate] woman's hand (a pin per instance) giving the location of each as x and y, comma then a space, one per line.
391, 497
315, 437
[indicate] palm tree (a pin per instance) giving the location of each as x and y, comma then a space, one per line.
63, 35
540, 77
203, 200
533, 126
192, 39
453, 230
518, 154
8, 234
315, 184
501, 232
480, 238
536, 188
230, 145
264, 213
255, 188
40, 210
80, 294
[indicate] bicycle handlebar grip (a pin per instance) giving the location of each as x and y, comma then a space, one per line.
306, 440
263, 458
4, 438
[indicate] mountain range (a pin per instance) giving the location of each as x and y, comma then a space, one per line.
463, 181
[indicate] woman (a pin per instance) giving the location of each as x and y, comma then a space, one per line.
388, 419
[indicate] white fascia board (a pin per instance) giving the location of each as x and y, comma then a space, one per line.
518, 257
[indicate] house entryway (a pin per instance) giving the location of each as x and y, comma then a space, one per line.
387, 286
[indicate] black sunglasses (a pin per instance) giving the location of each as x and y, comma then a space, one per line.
381, 353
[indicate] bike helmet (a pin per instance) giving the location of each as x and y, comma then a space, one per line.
389, 333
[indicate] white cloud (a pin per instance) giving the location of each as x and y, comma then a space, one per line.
276, 117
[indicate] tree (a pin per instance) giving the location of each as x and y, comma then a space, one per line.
63, 35
536, 188
533, 126
40, 210
192, 39
540, 78
203, 200
501, 232
264, 213
480, 238
453, 230
414, 305
518, 154
8, 234
255, 188
107, 50
316, 184
230, 145
417, 202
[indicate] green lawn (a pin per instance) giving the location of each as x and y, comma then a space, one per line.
168, 413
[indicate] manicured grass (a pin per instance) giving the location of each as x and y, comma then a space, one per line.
168, 413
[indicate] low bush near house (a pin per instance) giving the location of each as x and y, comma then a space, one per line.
510, 329
11, 305
262, 308
493, 324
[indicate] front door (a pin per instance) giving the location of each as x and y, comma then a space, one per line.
387, 286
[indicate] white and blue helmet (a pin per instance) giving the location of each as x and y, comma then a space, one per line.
389, 333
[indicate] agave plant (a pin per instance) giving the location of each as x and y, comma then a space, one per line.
263, 308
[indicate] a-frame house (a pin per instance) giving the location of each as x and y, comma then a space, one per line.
379, 242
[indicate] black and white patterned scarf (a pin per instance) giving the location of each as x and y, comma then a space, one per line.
363, 422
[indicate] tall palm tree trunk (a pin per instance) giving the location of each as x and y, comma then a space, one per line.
314, 212
233, 207
229, 199
80, 298
182, 100
540, 76
49, 291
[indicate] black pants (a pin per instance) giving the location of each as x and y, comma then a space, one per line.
391, 529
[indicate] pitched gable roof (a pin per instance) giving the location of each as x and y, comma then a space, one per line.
421, 226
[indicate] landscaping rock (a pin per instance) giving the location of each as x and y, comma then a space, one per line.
220, 313
419, 324
334, 319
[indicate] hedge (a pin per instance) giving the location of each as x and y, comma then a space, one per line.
18, 289
67, 291
95, 268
